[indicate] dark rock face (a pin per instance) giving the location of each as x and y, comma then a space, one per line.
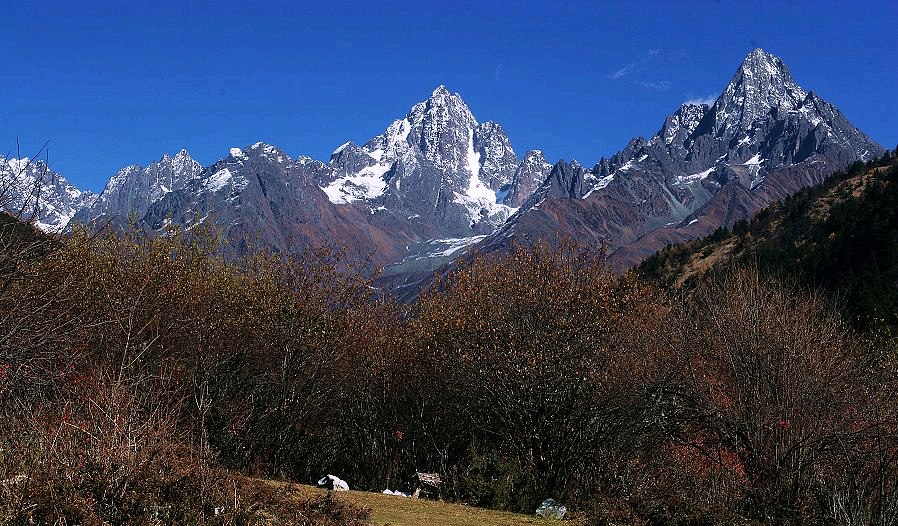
261, 197
131, 191
436, 168
528, 176
498, 162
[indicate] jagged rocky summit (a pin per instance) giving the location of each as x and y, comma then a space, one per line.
437, 164
31, 191
763, 138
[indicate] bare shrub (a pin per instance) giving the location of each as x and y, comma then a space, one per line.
784, 385
527, 349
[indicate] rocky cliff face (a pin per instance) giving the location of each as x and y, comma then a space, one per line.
437, 166
131, 191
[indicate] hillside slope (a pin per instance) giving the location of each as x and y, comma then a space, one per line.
841, 235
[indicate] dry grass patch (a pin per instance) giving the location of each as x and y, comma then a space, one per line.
389, 510
699, 264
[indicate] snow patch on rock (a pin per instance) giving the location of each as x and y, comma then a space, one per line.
685, 180
224, 178
366, 184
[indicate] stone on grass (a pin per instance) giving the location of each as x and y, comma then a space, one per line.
550, 509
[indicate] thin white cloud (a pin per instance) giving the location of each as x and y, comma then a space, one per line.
707, 101
663, 85
622, 72
639, 65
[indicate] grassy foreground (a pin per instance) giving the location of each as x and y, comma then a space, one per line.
389, 510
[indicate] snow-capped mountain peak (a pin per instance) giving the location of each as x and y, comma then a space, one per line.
184, 163
763, 138
440, 128
31, 190
440, 92
437, 157
762, 82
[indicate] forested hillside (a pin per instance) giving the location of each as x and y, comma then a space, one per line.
841, 236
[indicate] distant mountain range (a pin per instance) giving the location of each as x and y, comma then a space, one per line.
436, 181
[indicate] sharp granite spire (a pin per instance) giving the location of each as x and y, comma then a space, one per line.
438, 164
762, 82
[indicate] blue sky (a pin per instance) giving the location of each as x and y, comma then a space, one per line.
110, 86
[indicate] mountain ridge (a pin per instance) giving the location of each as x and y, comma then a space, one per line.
437, 180
762, 139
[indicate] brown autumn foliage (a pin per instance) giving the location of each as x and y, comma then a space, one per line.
139, 375
534, 355
147, 347
792, 402
388, 426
